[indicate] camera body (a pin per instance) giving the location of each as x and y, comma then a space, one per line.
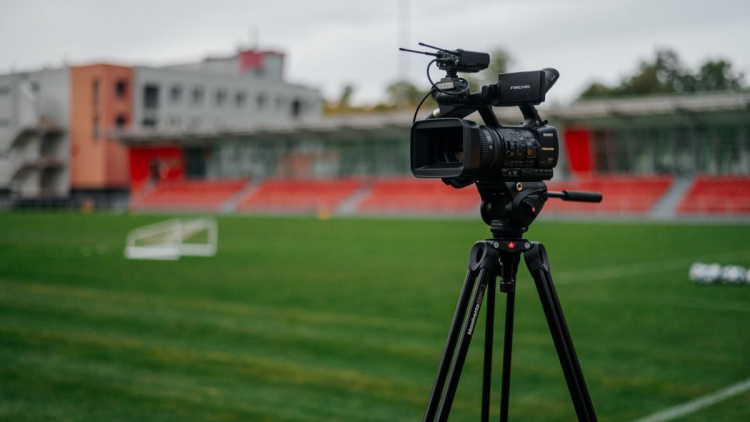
508, 164
458, 148
461, 152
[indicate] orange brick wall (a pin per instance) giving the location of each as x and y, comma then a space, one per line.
98, 161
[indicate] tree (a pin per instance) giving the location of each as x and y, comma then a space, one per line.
403, 93
718, 75
597, 89
659, 76
665, 74
346, 96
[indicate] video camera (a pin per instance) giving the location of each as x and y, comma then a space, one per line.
509, 165
461, 152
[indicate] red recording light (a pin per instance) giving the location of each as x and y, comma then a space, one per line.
511, 245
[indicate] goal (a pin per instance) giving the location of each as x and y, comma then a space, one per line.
172, 239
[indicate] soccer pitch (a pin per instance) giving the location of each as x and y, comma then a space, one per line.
299, 319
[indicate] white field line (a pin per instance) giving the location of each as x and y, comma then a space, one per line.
697, 404
643, 268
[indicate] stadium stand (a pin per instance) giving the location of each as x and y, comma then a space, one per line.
717, 195
296, 195
622, 194
418, 196
188, 195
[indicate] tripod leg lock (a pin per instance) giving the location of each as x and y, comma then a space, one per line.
484, 255
536, 258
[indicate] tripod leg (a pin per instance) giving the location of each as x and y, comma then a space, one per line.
508, 286
450, 346
538, 264
488, 339
507, 349
463, 344
484, 265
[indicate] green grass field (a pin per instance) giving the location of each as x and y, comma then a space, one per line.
298, 319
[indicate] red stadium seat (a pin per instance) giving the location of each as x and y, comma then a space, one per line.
418, 196
189, 195
290, 195
622, 194
717, 195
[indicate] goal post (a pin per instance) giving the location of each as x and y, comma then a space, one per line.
172, 239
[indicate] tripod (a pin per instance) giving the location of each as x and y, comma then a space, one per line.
509, 208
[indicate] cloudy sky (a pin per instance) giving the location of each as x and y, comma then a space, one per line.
330, 43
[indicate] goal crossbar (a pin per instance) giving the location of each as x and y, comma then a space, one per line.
171, 239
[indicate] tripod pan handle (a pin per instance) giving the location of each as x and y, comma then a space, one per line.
576, 196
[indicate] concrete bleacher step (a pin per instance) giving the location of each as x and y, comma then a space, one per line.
136, 197
230, 205
666, 207
349, 205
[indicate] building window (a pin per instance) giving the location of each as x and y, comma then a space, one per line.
175, 121
296, 108
95, 93
121, 89
48, 180
195, 163
239, 99
149, 122
120, 122
197, 95
220, 97
151, 96
175, 94
261, 101
95, 128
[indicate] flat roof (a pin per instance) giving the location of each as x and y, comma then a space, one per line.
579, 111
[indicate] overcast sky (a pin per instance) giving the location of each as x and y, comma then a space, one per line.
330, 43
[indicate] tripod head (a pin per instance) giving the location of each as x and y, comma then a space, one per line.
509, 208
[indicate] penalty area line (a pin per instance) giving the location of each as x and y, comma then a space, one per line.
697, 404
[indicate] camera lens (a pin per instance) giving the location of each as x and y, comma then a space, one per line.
459, 148
453, 151
491, 147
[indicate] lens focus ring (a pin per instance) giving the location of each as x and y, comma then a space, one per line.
491, 148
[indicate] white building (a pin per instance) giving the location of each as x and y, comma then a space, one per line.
60, 128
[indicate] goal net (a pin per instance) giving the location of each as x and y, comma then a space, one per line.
171, 239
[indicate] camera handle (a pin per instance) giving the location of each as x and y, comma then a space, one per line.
480, 103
